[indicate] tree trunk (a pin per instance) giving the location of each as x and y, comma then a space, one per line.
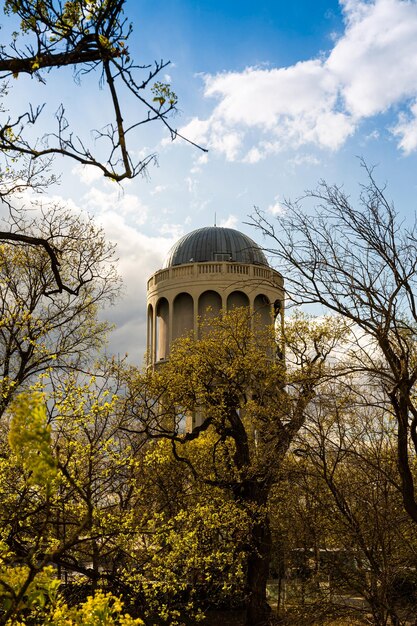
257, 607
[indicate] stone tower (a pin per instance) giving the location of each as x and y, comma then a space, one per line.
208, 270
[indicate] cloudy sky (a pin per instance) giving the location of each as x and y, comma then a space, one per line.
282, 94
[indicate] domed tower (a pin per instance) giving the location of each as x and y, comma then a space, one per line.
208, 270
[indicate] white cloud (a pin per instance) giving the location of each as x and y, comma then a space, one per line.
174, 231
230, 222
259, 96
371, 68
196, 130
139, 257
202, 159
87, 174
191, 184
276, 207
355, 10
158, 189
254, 155
375, 63
374, 135
126, 204
406, 130
305, 159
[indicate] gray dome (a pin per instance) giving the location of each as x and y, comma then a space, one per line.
215, 244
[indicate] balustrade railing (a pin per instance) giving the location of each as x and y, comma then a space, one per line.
197, 269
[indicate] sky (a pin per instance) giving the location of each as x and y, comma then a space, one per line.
282, 94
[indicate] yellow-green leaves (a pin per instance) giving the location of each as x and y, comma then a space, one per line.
30, 438
41, 603
102, 609
197, 552
162, 94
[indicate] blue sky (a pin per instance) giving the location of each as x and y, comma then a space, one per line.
206, 36
283, 94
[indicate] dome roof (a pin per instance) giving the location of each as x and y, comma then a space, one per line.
214, 243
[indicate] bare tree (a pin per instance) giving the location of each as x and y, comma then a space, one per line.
344, 470
90, 36
360, 261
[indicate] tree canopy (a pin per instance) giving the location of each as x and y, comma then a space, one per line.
249, 407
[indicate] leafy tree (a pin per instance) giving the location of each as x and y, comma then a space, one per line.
43, 604
81, 491
69, 491
193, 539
72, 492
359, 261
41, 328
84, 512
192, 562
250, 407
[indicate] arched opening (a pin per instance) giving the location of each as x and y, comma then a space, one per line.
183, 315
262, 310
237, 299
277, 308
149, 336
209, 304
162, 329
278, 323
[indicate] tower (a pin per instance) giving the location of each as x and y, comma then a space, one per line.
208, 270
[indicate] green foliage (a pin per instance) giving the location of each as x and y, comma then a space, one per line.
190, 543
162, 93
194, 560
40, 593
99, 476
30, 592
64, 20
43, 604
247, 407
101, 609
42, 329
30, 439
